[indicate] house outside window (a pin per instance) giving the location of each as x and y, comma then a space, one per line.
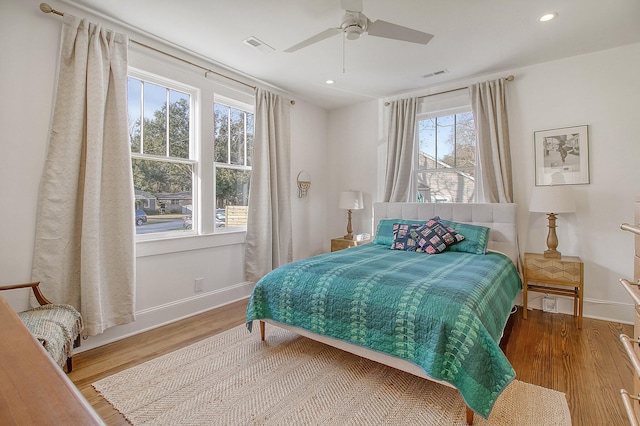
445, 169
233, 153
162, 146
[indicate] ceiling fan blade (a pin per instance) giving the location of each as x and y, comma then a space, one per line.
397, 32
352, 5
316, 38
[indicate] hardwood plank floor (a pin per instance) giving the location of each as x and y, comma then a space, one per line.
588, 365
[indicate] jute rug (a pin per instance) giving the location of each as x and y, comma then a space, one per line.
235, 379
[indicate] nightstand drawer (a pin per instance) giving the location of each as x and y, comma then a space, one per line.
343, 243
563, 270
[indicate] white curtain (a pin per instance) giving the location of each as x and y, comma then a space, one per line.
269, 235
400, 149
488, 103
84, 246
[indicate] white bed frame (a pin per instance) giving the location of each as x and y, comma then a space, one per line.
501, 218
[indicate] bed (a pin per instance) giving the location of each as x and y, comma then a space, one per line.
437, 316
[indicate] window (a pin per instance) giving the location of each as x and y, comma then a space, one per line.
160, 129
233, 151
446, 160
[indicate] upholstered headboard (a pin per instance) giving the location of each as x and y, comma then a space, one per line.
501, 218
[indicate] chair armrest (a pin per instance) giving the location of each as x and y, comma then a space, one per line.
34, 286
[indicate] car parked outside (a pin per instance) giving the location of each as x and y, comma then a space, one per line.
141, 217
187, 223
221, 215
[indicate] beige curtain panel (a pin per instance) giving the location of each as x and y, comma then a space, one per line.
84, 249
269, 230
402, 132
489, 106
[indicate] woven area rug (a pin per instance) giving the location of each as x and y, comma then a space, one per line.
235, 379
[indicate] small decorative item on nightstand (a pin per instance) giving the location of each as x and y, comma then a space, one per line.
562, 276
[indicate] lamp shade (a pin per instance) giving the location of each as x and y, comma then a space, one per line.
552, 199
351, 200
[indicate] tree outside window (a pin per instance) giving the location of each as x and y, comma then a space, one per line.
163, 171
233, 151
446, 163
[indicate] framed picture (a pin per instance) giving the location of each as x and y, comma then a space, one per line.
562, 156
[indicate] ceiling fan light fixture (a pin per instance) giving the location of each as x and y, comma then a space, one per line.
353, 32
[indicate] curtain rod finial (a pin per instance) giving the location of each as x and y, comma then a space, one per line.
510, 78
44, 7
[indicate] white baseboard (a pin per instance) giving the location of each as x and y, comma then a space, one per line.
157, 316
605, 310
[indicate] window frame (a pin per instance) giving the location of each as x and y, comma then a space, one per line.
247, 108
193, 161
416, 169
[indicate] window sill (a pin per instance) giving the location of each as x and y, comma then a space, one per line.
175, 244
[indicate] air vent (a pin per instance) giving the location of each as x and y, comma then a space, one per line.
435, 73
257, 44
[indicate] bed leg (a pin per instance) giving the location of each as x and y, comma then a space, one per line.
262, 324
469, 416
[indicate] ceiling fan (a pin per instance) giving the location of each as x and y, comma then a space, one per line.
354, 24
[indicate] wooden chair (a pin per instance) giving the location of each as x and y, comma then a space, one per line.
57, 327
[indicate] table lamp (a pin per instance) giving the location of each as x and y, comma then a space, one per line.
350, 200
552, 200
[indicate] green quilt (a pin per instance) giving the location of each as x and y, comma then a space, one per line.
443, 312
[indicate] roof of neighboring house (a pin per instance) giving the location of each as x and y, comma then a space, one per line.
185, 195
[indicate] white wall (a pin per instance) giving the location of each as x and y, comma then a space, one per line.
166, 270
600, 90
354, 134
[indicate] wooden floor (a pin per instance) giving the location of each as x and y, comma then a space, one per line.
588, 365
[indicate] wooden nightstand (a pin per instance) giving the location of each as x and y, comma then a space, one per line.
557, 275
343, 243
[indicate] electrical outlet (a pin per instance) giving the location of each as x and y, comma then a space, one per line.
550, 304
197, 285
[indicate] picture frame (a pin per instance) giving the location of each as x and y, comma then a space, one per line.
562, 156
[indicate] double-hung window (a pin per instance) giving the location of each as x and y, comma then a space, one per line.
162, 151
233, 152
445, 169
191, 148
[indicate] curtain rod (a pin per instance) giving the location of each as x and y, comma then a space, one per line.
44, 7
508, 78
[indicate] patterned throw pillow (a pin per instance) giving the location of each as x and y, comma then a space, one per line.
428, 239
402, 239
448, 234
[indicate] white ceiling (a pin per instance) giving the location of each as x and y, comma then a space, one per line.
472, 37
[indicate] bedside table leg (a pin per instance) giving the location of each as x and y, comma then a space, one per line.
524, 299
580, 308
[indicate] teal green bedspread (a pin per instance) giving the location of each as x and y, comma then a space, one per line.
443, 312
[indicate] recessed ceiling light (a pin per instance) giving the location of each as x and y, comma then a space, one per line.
330, 81
547, 17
